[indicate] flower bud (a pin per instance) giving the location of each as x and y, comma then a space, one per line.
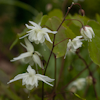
89, 80
82, 12
87, 32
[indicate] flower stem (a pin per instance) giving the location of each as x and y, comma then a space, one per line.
61, 41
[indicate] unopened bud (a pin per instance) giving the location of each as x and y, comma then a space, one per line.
82, 12
87, 32
89, 80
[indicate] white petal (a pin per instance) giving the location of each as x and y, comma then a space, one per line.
23, 36
30, 70
40, 35
29, 87
37, 60
38, 53
18, 77
34, 24
27, 60
23, 45
48, 38
30, 47
46, 78
40, 78
32, 37
49, 31
29, 27
23, 55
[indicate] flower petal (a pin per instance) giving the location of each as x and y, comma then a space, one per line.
30, 47
46, 78
23, 45
23, 55
49, 31
23, 36
34, 24
30, 70
43, 79
18, 77
48, 38
29, 27
37, 60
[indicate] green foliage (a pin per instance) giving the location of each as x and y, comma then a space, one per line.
79, 96
94, 46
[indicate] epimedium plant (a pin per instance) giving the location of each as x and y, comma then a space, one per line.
63, 38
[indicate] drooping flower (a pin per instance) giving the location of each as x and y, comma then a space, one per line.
30, 78
73, 45
87, 32
30, 56
38, 34
77, 85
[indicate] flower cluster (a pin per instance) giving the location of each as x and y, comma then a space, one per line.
38, 35
87, 34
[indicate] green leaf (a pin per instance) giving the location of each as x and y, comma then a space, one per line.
94, 46
98, 17
83, 19
63, 33
79, 96
56, 12
10, 93
38, 18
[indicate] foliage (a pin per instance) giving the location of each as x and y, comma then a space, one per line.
90, 51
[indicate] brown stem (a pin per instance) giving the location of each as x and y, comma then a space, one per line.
55, 73
53, 46
61, 41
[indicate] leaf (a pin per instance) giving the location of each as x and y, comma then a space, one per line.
94, 46
79, 96
38, 18
10, 93
98, 17
83, 19
63, 33
56, 12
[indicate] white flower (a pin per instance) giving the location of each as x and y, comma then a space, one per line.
38, 34
73, 45
87, 32
77, 85
30, 56
30, 78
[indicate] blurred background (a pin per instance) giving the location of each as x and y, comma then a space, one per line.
14, 14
